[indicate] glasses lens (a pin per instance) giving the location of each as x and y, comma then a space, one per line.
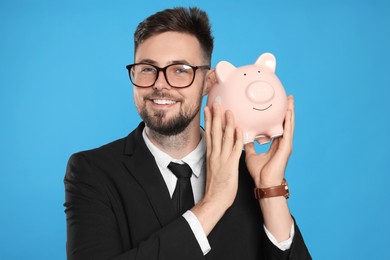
143, 75
179, 75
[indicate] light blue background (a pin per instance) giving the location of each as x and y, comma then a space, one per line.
64, 88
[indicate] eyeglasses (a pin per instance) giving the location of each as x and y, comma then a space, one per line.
145, 75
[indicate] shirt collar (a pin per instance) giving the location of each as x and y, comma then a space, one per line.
194, 159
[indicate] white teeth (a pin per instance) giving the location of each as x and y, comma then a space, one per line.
164, 102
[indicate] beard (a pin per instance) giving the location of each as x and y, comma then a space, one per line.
158, 122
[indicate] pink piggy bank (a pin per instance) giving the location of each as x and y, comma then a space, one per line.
255, 96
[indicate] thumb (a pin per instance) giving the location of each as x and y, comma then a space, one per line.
249, 148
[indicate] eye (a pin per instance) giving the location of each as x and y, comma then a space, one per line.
147, 69
244, 74
258, 71
181, 69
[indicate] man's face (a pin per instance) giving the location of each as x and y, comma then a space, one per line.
165, 109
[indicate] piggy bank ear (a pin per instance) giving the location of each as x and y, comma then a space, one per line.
268, 60
223, 69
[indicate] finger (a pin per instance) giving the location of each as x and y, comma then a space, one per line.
250, 149
208, 122
237, 149
228, 134
290, 100
285, 145
216, 128
292, 108
287, 132
288, 127
274, 146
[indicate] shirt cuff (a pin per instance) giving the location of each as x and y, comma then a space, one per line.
283, 245
198, 231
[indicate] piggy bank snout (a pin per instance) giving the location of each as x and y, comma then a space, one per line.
260, 92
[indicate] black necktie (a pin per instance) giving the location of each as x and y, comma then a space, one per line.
182, 198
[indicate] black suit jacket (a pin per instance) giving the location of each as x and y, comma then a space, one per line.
118, 207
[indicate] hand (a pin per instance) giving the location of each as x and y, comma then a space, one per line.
267, 169
224, 148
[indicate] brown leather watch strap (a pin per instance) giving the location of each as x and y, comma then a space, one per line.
276, 191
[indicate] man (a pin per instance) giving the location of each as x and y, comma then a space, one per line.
126, 200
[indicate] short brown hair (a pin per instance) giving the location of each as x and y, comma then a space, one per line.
186, 20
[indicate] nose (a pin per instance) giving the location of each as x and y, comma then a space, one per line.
260, 92
161, 81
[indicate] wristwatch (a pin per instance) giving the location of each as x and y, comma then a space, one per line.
276, 191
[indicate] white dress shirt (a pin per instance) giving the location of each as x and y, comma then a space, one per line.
196, 160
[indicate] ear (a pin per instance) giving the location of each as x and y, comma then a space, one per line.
223, 69
268, 60
210, 82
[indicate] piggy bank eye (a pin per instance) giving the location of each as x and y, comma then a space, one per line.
244, 74
258, 71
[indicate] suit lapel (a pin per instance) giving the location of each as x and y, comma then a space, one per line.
141, 164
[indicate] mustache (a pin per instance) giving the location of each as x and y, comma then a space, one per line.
158, 94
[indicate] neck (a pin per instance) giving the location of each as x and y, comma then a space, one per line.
177, 146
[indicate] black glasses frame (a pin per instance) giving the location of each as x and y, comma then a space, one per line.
164, 70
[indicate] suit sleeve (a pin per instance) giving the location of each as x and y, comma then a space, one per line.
93, 231
269, 251
297, 251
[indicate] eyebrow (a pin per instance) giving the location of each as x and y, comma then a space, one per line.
149, 61
153, 62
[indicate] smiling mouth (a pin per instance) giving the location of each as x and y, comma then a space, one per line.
163, 102
259, 109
